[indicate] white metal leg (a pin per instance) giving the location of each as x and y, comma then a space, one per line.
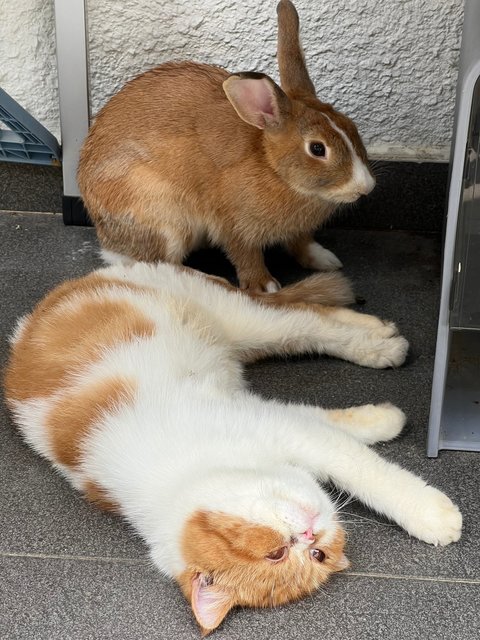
72, 61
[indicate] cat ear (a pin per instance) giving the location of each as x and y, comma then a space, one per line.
343, 563
210, 604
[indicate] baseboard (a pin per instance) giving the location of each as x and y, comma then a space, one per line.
409, 196
74, 212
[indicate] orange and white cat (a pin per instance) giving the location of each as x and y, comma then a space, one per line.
130, 382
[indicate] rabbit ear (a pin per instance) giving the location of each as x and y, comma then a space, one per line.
257, 99
294, 76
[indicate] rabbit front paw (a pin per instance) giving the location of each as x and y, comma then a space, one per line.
265, 284
321, 259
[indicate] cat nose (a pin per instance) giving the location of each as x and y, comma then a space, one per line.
308, 534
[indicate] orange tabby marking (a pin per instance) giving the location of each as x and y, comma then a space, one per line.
33, 372
99, 497
73, 416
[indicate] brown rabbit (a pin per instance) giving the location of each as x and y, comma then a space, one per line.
188, 153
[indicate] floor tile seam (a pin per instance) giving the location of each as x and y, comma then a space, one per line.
57, 556
411, 577
36, 213
146, 562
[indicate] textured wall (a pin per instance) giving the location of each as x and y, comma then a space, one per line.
28, 68
390, 64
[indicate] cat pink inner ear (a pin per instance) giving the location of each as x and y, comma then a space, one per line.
343, 563
210, 604
254, 100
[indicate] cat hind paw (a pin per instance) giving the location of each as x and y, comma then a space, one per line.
385, 422
381, 352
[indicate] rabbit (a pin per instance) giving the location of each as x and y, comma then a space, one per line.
189, 153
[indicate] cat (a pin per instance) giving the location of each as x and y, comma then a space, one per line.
130, 382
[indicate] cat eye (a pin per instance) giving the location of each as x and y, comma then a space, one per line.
278, 554
317, 149
318, 555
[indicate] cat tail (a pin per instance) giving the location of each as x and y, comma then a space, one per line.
330, 289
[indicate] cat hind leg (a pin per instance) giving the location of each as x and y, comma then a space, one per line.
346, 334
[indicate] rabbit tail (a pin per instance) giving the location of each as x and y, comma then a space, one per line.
330, 289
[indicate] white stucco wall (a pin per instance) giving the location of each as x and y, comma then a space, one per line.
389, 64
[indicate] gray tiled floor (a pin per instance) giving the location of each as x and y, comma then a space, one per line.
70, 572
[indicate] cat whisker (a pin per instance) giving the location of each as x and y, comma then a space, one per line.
351, 522
339, 496
343, 505
321, 589
339, 506
365, 519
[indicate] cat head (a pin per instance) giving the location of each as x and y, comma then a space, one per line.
277, 541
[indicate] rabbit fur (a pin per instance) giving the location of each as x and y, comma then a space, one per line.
187, 154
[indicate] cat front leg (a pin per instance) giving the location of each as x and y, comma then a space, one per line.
257, 331
423, 511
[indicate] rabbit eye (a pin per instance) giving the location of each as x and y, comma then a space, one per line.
278, 554
318, 555
317, 149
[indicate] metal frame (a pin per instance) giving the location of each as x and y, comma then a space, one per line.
469, 72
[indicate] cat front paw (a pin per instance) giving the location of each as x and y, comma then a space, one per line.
437, 520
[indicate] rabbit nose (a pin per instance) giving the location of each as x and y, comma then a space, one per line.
367, 186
